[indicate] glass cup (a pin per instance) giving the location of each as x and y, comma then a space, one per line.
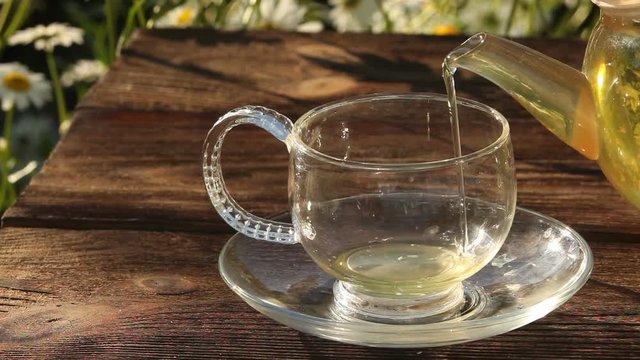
381, 203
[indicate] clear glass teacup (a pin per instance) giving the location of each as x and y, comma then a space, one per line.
380, 202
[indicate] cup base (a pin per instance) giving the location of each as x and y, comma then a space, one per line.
457, 302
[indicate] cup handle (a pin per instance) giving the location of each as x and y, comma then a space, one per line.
233, 214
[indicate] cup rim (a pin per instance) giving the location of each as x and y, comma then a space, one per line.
452, 161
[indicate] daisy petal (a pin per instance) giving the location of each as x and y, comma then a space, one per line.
21, 87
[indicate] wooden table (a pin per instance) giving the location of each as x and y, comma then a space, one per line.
112, 250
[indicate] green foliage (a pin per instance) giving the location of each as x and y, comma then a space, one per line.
12, 16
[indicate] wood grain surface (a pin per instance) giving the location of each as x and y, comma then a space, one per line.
128, 294
112, 250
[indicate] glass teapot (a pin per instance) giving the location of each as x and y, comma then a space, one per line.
596, 111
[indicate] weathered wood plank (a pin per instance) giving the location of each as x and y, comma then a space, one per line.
142, 170
198, 70
122, 294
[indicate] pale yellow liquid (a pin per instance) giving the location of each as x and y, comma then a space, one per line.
400, 244
613, 68
403, 268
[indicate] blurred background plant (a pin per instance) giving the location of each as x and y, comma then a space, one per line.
51, 52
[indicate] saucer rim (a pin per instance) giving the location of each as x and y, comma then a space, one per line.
518, 317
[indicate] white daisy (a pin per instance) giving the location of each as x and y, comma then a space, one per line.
352, 15
285, 15
273, 14
84, 71
19, 87
493, 16
181, 16
47, 37
405, 16
416, 17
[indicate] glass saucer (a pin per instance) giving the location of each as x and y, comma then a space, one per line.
540, 266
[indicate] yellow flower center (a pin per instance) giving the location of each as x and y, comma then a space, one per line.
17, 81
444, 30
186, 16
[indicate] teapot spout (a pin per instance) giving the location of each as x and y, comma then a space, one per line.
556, 94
